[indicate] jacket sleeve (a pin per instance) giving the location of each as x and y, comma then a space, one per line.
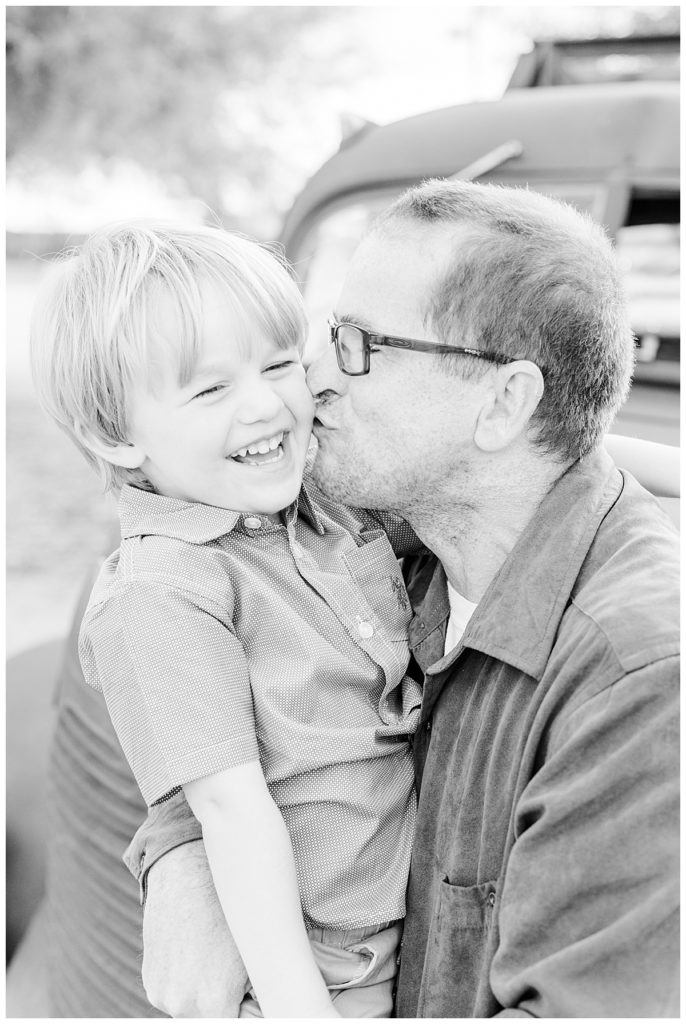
168, 825
588, 913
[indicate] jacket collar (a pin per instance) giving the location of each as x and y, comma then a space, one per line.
518, 617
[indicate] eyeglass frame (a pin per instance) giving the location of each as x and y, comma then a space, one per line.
368, 338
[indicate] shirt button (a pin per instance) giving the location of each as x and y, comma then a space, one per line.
252, 522
365, 629
491, 899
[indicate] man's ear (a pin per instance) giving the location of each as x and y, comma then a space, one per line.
119, 453
517, 390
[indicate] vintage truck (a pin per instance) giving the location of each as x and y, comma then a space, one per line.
595, 123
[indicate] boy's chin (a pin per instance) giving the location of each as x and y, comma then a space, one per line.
283, 500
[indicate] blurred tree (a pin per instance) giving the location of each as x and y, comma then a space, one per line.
237, 105
192, 94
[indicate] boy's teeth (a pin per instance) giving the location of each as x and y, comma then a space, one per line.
262, 447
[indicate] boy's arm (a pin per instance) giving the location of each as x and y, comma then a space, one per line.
250, 856
655, 466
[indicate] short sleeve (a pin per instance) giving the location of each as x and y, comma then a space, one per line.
176, 682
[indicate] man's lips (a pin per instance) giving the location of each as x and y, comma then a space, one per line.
322, 405
320, 421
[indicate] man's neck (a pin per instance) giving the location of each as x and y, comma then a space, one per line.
473, 533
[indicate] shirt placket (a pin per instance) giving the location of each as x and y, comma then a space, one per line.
345, 597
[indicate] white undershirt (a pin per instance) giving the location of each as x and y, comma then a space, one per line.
460, 613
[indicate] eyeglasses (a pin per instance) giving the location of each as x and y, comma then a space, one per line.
354, 345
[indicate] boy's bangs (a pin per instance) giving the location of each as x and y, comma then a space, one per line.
262, 307
178, 345
263, 295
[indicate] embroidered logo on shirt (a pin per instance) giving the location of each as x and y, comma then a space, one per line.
398, 589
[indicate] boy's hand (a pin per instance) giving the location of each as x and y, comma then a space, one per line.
191, 966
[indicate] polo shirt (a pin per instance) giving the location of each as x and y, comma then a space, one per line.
218, 638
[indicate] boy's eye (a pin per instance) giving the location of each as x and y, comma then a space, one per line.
207, 392
282, 365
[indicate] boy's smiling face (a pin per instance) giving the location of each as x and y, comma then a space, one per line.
236, 434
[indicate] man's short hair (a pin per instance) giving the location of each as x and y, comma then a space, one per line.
538, 280
94, 332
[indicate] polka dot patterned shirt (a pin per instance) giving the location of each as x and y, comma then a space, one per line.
219, 638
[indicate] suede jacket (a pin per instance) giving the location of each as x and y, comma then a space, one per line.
545, 870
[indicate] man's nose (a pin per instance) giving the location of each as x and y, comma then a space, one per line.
324, 376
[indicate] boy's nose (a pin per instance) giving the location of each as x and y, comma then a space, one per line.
259, 401
323, 374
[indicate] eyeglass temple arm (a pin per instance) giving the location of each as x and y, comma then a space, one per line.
430, 346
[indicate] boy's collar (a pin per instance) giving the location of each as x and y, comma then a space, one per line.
144, 513
305, 506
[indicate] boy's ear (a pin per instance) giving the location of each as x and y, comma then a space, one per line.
119, 453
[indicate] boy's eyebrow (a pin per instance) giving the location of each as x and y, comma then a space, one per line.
203, 371
208, 370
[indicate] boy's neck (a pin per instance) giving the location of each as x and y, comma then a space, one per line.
273, 517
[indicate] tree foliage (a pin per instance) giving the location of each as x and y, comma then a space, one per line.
221, 103
189, 93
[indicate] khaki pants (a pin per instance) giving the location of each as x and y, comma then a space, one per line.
358, 966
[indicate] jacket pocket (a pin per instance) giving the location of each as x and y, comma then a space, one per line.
459, 951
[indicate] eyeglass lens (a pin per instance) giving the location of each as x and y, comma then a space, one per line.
350, 345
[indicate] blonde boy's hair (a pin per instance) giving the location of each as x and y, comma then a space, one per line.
93, 331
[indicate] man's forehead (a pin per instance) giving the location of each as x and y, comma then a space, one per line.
394, 271
423, 247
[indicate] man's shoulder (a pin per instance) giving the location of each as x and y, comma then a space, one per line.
629, 585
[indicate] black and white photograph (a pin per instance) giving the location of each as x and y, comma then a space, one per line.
342, 511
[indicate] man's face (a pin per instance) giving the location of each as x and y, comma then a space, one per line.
394, 436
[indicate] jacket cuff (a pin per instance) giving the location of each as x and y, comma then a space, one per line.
168, 825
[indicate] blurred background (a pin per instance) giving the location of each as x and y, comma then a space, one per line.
225, 113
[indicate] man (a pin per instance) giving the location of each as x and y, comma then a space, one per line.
544, 878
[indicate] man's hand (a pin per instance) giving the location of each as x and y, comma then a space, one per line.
191, 966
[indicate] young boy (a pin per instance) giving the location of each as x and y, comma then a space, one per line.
249, 636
